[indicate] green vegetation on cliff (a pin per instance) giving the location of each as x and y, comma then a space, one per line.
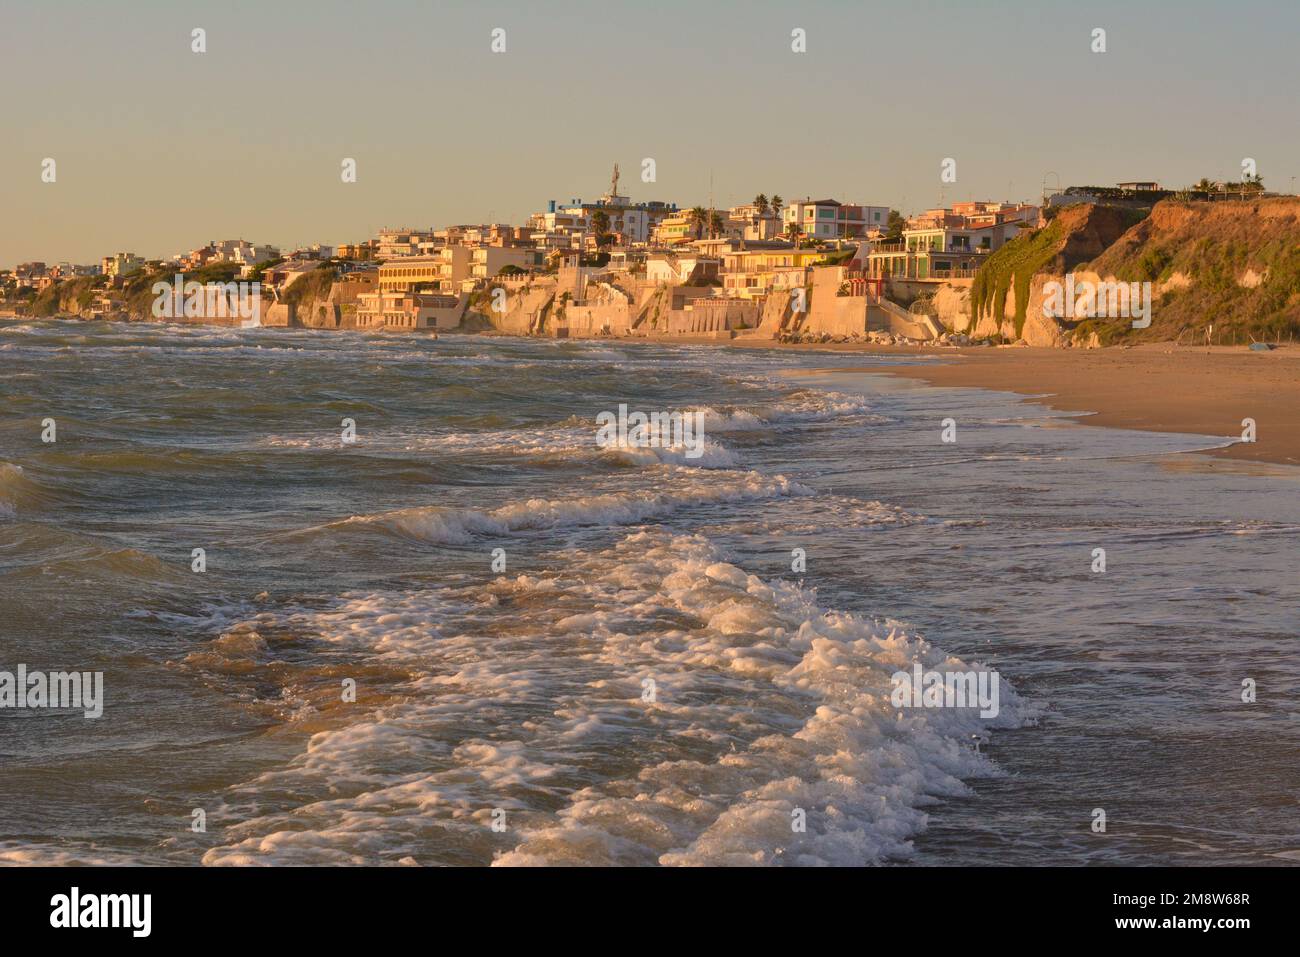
1073, 236
1016, 262
62, 298
313, 285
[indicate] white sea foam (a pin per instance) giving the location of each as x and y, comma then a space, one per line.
819, 407
561, 441
529, 694
735, 420
14, 854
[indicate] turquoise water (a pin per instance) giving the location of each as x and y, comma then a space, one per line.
647, 680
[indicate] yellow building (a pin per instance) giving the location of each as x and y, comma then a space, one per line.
759, 268
408, 272
673, 230
121, 264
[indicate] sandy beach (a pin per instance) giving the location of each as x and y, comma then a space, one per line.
1159, 387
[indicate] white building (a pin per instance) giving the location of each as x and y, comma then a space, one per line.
831, 219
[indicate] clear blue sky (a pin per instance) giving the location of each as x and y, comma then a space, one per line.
160, 149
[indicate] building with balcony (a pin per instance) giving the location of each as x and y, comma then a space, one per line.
756, 225
393, 243
400, 311
121, 264
939, 252
358, 251
759, 268
416, 272
971, 214
831, 219
487, 261
673, 230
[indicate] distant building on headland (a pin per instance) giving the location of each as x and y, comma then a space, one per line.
121, 264
566, 226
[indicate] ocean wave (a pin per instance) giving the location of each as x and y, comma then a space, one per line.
442, 525
560, 442
14, 486
815, 406
16, 854
528, 699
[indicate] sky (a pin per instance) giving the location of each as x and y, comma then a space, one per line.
159, 149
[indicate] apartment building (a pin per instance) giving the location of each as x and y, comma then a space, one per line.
393, 243
831, 219
974, 214
676, 269
358, 251
487, 261
242, 252
67, 270
29, 275
448, 270
939, 252
674, 230
761, 267
121, 264
755, 224
407, 311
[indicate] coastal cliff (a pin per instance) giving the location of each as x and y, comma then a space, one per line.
1006, 298
1231, 265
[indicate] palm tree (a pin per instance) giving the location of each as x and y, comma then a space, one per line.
793, 231
699, 219
760, 204
600, 225
777, 204
715, 225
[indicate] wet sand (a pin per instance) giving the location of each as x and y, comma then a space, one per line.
1158, 387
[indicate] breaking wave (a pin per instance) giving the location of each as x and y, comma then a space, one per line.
651, 703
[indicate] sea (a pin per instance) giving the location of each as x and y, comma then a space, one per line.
367, 599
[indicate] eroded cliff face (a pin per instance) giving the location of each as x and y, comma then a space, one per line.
1231, 264
1007, 295
952, 307
1234, 265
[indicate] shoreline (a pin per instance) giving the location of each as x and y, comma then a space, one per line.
1150, 389
1153, 387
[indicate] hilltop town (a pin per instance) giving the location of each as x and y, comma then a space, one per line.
800, 270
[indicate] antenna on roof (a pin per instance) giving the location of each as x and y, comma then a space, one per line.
711, 203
